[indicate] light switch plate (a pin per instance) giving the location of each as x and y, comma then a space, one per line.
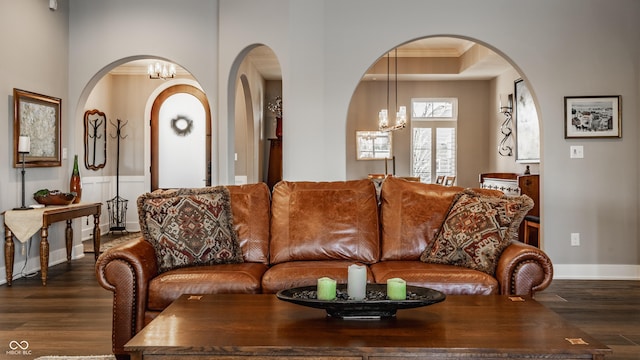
64, 153
577, 152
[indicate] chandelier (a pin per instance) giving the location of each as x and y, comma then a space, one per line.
161, 71
401, 111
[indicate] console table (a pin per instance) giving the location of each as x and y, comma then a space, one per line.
22, 224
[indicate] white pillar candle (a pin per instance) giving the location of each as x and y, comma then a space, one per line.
396, 289
357, 282
24, 144
326, 289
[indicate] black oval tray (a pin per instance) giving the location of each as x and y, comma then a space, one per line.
376, 307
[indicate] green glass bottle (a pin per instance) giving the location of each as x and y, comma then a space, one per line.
75, 184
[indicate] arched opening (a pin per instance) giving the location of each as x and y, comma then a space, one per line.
466, 78
256, 80
124, 91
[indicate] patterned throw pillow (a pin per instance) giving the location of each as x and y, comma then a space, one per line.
476, 230
189, 227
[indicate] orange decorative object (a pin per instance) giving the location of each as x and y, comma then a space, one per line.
75, 184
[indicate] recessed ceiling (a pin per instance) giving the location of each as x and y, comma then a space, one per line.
466, 60
440, 58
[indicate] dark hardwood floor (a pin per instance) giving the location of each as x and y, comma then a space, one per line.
72, 314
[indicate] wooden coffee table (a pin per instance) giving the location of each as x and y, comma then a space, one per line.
237, 326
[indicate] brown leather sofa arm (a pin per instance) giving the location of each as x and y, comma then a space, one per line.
126, 271
523, 270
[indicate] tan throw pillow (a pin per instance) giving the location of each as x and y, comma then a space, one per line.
476, 230
189, 227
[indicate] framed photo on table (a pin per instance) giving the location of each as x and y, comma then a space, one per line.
38, 117
592, 117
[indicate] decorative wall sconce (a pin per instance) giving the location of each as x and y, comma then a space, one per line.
504, 148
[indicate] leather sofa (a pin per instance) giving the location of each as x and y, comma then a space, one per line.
306, 230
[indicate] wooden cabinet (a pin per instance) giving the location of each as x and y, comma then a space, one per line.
513, 184
275, 162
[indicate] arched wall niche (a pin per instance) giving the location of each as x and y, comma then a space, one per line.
256, 75
476, 75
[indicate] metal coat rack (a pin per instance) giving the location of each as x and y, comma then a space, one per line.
117, 207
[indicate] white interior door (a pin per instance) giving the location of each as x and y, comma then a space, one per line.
182, 139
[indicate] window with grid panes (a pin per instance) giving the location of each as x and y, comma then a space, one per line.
433, 140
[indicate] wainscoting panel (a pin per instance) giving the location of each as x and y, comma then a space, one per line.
103, 188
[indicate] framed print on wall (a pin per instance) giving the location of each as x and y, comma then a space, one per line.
592, 117
38, 117
526, 124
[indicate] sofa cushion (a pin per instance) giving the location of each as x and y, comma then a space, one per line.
411, 214
251, 208
451, 280
189, 227
324, 221
477, 229
306, 273
241, 278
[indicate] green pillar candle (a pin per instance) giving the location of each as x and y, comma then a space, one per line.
326, 288
396, 289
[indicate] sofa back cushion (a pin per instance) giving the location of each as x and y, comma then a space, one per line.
324, 221
411, 214
251, 207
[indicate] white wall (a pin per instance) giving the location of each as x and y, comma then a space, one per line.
34, 42
567, 48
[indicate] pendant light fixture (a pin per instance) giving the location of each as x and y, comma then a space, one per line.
401, 111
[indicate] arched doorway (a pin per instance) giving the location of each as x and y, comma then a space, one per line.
438, 68
256, 80
180, 119
432, 72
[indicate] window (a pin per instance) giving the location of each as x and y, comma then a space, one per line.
434, 109
433, 141
373, 145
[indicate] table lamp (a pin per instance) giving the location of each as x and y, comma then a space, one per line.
24, 147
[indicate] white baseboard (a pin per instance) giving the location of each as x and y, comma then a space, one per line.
33, 264
596, 272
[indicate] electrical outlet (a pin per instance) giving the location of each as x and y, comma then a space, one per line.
575, 239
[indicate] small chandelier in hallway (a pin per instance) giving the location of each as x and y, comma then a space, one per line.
401, 111
161, 71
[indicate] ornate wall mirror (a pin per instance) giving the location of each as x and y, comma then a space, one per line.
95, 139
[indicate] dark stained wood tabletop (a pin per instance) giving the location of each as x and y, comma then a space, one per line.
262, 325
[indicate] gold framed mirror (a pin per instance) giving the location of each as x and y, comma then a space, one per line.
95, 139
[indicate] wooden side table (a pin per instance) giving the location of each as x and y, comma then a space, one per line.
14, 220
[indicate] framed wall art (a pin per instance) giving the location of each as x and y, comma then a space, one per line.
592, 117
38, 117
526, 124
